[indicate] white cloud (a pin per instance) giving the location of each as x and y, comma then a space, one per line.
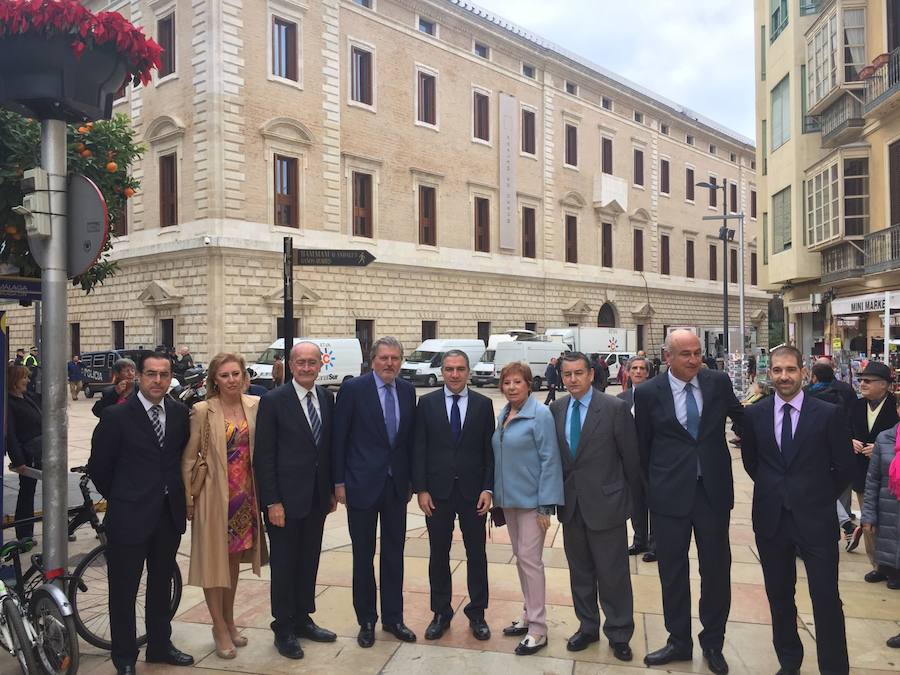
698, 53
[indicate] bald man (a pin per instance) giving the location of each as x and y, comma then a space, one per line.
680, 419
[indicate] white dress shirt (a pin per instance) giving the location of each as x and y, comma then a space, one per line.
678, 394
301, 394
463, 404
148, 404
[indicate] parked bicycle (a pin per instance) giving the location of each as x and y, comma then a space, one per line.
16, 638
87, 587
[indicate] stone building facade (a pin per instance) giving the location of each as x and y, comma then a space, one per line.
500, 182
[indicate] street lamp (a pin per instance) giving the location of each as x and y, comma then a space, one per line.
725, 235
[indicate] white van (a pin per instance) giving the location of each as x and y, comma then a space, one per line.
616, 362
341, 360
423, 366
536, 353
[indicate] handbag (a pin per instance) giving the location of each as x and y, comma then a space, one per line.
498, 519
200, 468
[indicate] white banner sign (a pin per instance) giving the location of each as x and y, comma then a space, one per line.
509, 137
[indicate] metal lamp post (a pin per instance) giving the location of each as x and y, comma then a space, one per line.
725, 235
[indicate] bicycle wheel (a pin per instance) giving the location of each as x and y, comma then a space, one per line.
89, 595
57, 639
21, 641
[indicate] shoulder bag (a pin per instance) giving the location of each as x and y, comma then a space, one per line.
200, 468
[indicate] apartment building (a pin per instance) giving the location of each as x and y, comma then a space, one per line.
500, 181
828, 89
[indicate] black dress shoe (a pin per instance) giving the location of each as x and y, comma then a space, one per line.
531, 645
480, 629
125, 670
894, 642
649, 556
668, 654
516, 629
715, 661
288, 646
311, 631
436, 628
622, 651
636, 549
875, 576
580, 641
366, 636
399, 631
174, 657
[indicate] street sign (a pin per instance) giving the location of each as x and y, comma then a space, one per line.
88, 228
20, 288
329, 257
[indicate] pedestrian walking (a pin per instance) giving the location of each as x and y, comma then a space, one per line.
551, 377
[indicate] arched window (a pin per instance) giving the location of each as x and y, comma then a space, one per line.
606, 318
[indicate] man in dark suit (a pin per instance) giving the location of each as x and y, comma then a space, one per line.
797, 450
638, 370
372, 443
453, 475
601, 473
136, 464
680, 418
875, 412
293, 477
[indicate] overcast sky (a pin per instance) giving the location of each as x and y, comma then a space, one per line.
698, 53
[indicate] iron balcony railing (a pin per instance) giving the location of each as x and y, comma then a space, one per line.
883, 250
883, 83
845, 261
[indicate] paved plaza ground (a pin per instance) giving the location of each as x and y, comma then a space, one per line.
872, 611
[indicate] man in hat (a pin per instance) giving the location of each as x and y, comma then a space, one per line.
875, 412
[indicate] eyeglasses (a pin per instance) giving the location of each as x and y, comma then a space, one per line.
157, 375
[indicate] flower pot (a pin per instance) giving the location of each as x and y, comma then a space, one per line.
41, 77
866, 72
880, 60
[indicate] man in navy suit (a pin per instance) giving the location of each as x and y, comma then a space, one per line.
372, 447
798, 451
293, 477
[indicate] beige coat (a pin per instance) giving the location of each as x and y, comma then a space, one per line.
209, 540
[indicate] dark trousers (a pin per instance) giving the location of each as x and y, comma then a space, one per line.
778, 558
125, 564
640, 521
551, 394
440, 536
391, 509
673, 538
599, 570
25, 506
294, 552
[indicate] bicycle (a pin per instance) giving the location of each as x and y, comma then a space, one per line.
14, 636
87, 588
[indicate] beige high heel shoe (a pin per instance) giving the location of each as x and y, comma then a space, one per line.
229, 653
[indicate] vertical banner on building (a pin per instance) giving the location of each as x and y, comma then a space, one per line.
508, 140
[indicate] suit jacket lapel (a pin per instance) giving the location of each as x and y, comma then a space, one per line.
143, 418
668, 402
560, 416
707, 391
375, 403
803, 426
591, 422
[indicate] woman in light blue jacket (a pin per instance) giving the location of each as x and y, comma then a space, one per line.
528, 485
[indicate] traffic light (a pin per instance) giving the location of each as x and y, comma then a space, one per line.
35, 207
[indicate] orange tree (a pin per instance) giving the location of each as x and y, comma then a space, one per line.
101, 150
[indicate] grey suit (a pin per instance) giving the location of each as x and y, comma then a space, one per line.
599, 481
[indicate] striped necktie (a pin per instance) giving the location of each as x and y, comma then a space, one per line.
157, 425
315, 424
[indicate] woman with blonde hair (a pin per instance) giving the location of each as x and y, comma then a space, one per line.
226, 522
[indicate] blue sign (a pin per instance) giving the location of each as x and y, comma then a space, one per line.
20, 288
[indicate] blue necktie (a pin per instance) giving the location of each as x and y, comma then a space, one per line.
390, 413
575, 426
455, 418
693, 414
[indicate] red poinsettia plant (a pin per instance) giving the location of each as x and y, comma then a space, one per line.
51, 18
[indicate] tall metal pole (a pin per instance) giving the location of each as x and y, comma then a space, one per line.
724, 234
54, 411
741, 286
887, 327
288, 259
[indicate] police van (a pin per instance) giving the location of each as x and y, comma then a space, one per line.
97, 367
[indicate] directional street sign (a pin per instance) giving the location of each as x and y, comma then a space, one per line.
329, 257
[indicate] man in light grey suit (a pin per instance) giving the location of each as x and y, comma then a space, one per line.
601, 473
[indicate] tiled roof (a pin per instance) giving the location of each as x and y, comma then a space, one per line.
600, 72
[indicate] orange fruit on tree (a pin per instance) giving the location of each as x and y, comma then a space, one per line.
129, 193
112, 167
82, 130
86, 153
79, 147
